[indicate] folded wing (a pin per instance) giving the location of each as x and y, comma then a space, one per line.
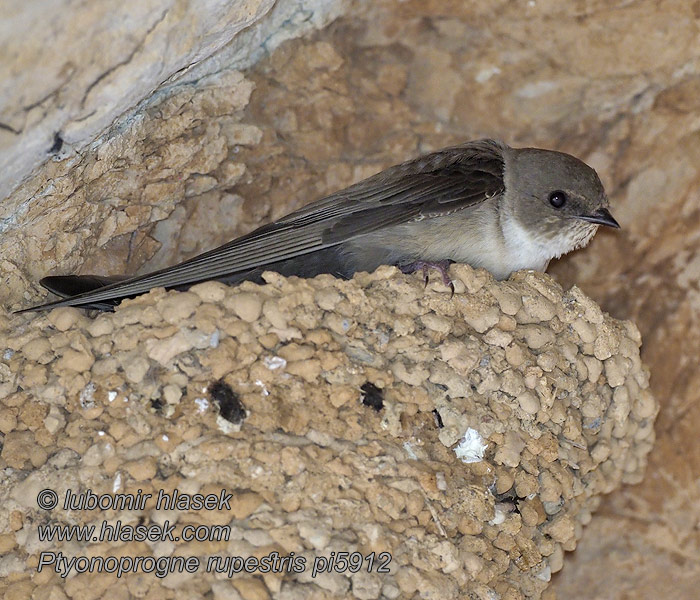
433, 185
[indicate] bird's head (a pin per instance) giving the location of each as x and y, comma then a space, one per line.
558, 199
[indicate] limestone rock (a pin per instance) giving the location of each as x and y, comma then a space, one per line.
109, 59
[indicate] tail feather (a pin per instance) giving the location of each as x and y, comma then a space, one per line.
72, 285
78, 290
67, 286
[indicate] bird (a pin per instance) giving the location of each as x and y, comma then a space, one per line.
482, 202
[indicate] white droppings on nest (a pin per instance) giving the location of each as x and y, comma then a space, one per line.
264, 391
274, 362
87, 395
499, 516
226, 426
471, 447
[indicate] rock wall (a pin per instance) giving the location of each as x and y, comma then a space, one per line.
237, 143
462, 441
71, 68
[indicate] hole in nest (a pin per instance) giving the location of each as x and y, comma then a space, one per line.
372, 396
230, 406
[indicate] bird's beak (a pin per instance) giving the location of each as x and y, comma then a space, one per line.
601, 217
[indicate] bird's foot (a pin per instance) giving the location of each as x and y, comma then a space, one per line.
425, 265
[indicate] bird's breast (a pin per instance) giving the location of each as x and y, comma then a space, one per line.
470, 236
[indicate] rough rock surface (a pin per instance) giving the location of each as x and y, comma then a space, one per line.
336, 413
70, 68
613, 83
99, 61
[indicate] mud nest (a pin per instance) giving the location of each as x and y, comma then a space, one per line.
460, 443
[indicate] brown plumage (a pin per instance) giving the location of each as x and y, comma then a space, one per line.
481, 203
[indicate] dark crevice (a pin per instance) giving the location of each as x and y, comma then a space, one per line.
6, 127
372, 396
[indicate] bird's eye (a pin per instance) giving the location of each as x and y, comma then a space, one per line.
557, 199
